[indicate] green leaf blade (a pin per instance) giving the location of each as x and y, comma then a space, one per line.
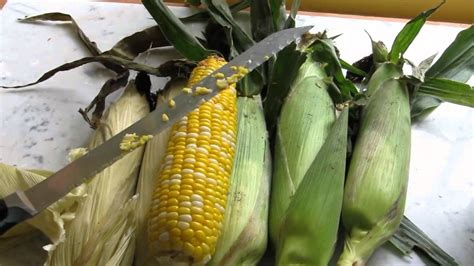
290, 21
261, 20
409, 32
324, 51
285, 69
345, 65
175, 31
457, 61
278, 9
409, 236
449, 91
220, 11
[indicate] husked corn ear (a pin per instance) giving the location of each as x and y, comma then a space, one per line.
376, 185
305, 121
189, 201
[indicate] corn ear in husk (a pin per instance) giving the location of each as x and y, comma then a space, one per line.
376, 184
244, 231
107, 195
309, 230
305, 121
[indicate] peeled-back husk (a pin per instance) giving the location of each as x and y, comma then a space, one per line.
305, 121
244, 231
50, 222
376, 184
309, 231
93, 238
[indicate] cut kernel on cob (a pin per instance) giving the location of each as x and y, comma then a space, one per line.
189, 201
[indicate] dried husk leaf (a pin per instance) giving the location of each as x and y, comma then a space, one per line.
47, 226
50, 221
305, 121
118, 231
108, 192
244, 232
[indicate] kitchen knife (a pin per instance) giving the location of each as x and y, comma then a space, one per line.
22, 205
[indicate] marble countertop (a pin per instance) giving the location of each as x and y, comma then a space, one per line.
40, 124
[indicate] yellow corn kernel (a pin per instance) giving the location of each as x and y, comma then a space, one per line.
202, 91
171, 103
222, 83
187, 90
218, 75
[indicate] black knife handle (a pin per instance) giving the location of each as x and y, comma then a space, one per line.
11, 216
3, 210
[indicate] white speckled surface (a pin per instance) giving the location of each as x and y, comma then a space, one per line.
40, 124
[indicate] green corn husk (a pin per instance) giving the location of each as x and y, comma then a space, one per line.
103, 231
305, 121
309, 231
384, 72
376, 184
244, 231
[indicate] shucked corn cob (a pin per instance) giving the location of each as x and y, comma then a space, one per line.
191, 194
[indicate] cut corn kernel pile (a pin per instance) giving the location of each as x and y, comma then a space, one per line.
191, 194
133, 141
202, 91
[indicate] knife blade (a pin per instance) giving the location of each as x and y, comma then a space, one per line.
22, 205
